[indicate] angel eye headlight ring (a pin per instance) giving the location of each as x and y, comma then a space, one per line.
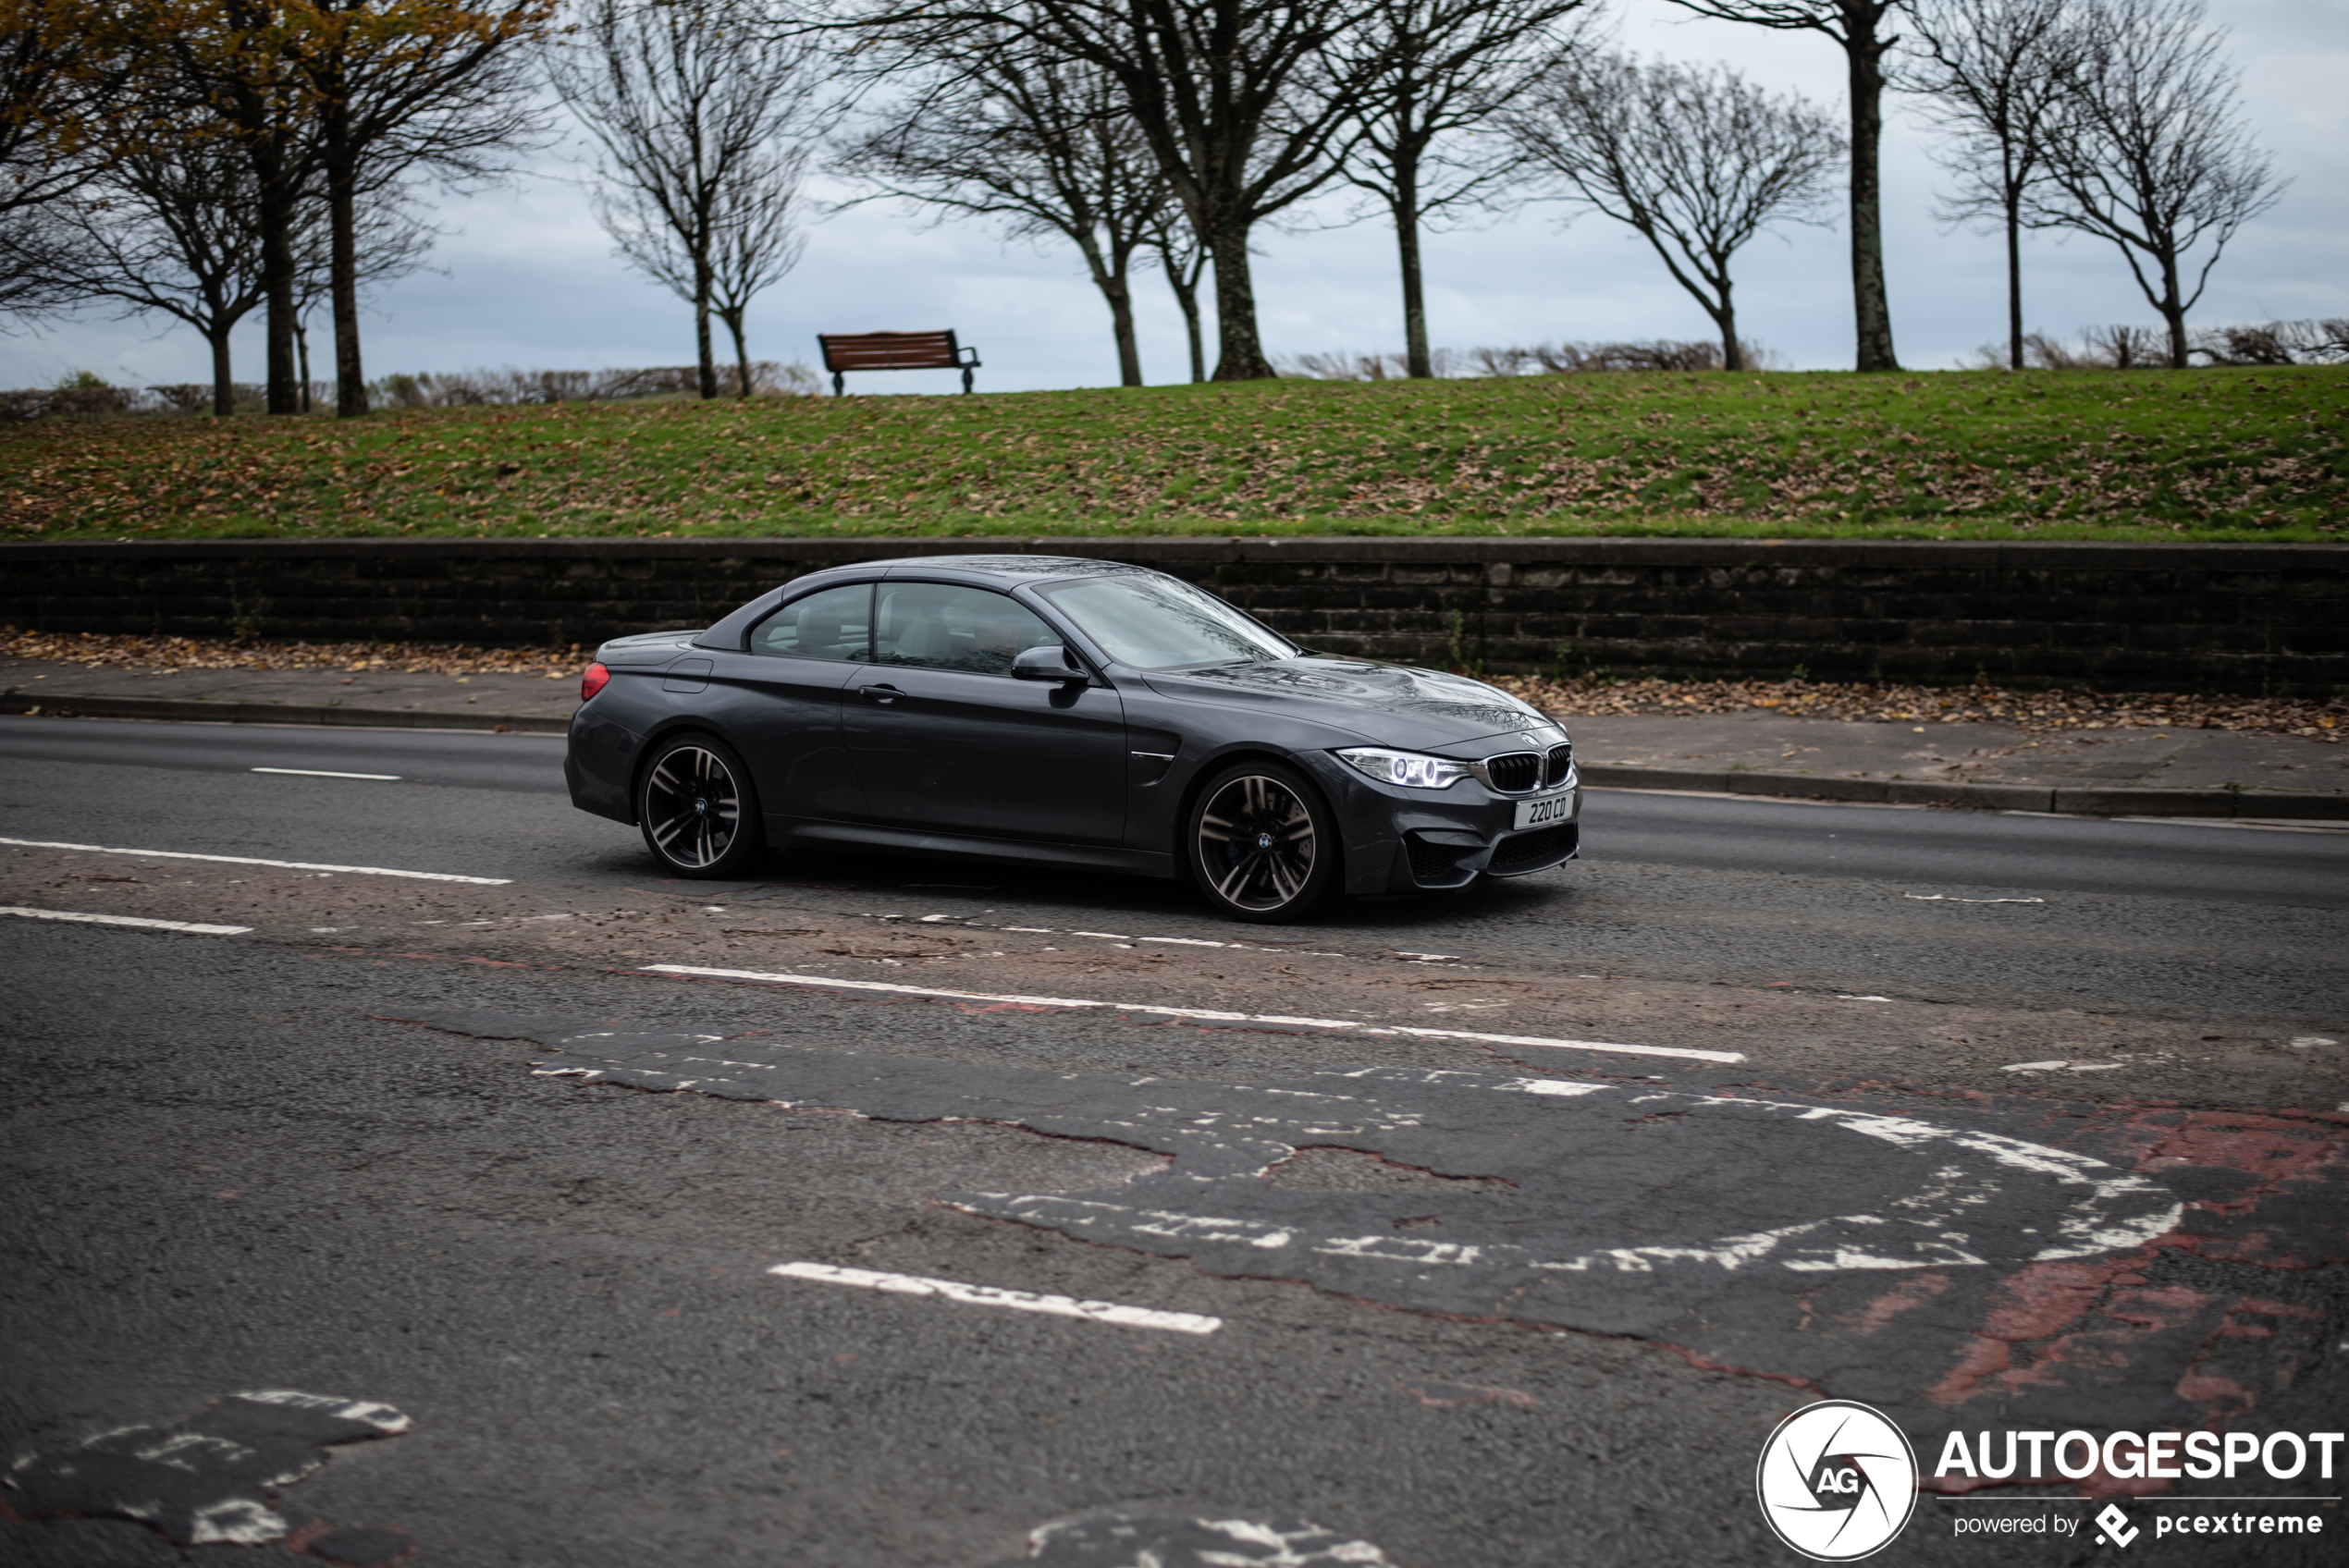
1411, 770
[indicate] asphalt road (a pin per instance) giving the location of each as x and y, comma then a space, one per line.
1387, 1229
1972, 850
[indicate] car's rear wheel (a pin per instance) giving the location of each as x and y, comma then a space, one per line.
1262, 845
699, 813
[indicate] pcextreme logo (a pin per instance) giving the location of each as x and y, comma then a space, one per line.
1837, 1481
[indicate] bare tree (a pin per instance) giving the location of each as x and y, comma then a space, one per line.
2150, 151
170, 230
1993, 73
388, 242
1428, 73
1042, 145
1182, 258
238, 62
171, 233
64, 70
759, 239
62, 67
1237, 100
1858, 27
685, 98
399, 87
1697, 161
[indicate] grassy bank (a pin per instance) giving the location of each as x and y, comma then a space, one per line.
2208, 455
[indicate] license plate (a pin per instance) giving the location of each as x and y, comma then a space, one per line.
1543, 811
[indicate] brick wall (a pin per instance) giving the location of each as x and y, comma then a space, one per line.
2168, 616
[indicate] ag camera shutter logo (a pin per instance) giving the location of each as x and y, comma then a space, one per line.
1837, 1481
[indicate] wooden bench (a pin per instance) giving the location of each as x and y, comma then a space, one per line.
844, 351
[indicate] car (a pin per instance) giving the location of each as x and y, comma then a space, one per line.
1063, 712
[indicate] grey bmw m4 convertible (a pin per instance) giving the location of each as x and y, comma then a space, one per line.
1063, 712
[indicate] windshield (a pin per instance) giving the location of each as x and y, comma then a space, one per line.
1158, 623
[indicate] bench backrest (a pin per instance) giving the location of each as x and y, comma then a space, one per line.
889, 351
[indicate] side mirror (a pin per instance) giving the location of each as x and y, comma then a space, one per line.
1048, 662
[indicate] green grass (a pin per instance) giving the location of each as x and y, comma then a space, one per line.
2204, 455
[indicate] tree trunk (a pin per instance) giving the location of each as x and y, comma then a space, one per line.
1121, 315
1406, 206
1187, 295
1871, 311
2014, 281
275, 218
302, 358
224, 389
708, 362
2174, 313
1239, 354
1732, 351
342, 287
742, 354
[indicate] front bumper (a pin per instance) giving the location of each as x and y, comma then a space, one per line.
1401, 841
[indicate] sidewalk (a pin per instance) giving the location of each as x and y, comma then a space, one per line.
2209, 773
373, 698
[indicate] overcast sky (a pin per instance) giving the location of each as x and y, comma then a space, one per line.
527, 280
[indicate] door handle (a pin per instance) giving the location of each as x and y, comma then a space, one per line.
879, 693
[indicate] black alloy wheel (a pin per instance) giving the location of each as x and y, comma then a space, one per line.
1262, 845
699, 813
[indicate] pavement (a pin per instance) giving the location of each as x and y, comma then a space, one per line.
2118, 772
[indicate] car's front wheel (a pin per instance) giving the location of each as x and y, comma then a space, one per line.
1262, 845
699, 813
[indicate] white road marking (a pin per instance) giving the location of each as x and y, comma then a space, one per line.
1185, 941
1931, 1228
140, 920
248, 860
1841, 996
1951, 898
2034, 1066
1104, 935
2302, 1042
325, 773
989, 1295
1333, 1025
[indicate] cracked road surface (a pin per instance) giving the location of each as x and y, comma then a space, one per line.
906, 1212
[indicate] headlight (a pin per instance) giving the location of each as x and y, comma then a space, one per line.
1413, 770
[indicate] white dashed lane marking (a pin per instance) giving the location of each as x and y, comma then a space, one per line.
1208, 1014
190, 927
328, 773
1953, 899
989, 1295
249, 860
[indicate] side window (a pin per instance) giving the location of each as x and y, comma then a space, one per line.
835, 624
937, 626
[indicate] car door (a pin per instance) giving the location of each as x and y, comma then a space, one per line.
943, 737
783, 707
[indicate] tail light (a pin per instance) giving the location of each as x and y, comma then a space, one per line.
593, 682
